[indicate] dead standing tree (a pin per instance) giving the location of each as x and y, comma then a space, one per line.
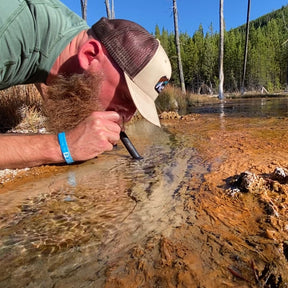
177, 42
246, 47
110, 9
221, 51
84, 9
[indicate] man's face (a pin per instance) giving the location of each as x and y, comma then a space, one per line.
114, 94
71, 99
121, 102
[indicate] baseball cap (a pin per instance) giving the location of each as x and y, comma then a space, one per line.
141, 57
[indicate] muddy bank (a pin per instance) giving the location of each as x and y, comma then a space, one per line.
214, 228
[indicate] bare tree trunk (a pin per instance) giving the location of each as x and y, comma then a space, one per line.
112, 9
221, 52
108, 10
181, 76
84, 9
285, 42
246, 47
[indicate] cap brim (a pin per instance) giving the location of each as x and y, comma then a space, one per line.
143, 102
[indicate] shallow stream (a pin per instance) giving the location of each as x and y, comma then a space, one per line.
70, 229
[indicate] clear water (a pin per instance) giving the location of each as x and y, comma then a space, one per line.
65, 230
54, 228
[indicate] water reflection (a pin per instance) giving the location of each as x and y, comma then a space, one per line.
222, 115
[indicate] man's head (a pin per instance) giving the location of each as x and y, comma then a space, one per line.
119, 67
140, 57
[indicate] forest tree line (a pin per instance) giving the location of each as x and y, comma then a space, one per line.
267, 61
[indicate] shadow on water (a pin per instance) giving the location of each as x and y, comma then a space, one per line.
58, 227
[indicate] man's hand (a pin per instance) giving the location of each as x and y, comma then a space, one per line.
94, 135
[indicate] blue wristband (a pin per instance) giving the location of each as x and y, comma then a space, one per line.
64, 148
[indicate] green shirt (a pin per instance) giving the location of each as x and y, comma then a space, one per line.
32, 35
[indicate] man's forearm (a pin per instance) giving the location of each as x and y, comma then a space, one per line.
91, 137
20, 151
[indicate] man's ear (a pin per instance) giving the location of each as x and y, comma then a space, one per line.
89, 52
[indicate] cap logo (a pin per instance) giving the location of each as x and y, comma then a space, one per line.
163, 81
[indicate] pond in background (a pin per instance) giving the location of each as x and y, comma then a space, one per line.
247, 107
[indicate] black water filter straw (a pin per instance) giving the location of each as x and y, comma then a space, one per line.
129, 146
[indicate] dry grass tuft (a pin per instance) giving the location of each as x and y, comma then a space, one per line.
20, 108
172, 99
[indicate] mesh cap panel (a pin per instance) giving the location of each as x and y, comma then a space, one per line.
129, 44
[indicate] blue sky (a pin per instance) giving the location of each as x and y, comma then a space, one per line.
191, 13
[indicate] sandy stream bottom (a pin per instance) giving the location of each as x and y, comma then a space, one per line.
226, 236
